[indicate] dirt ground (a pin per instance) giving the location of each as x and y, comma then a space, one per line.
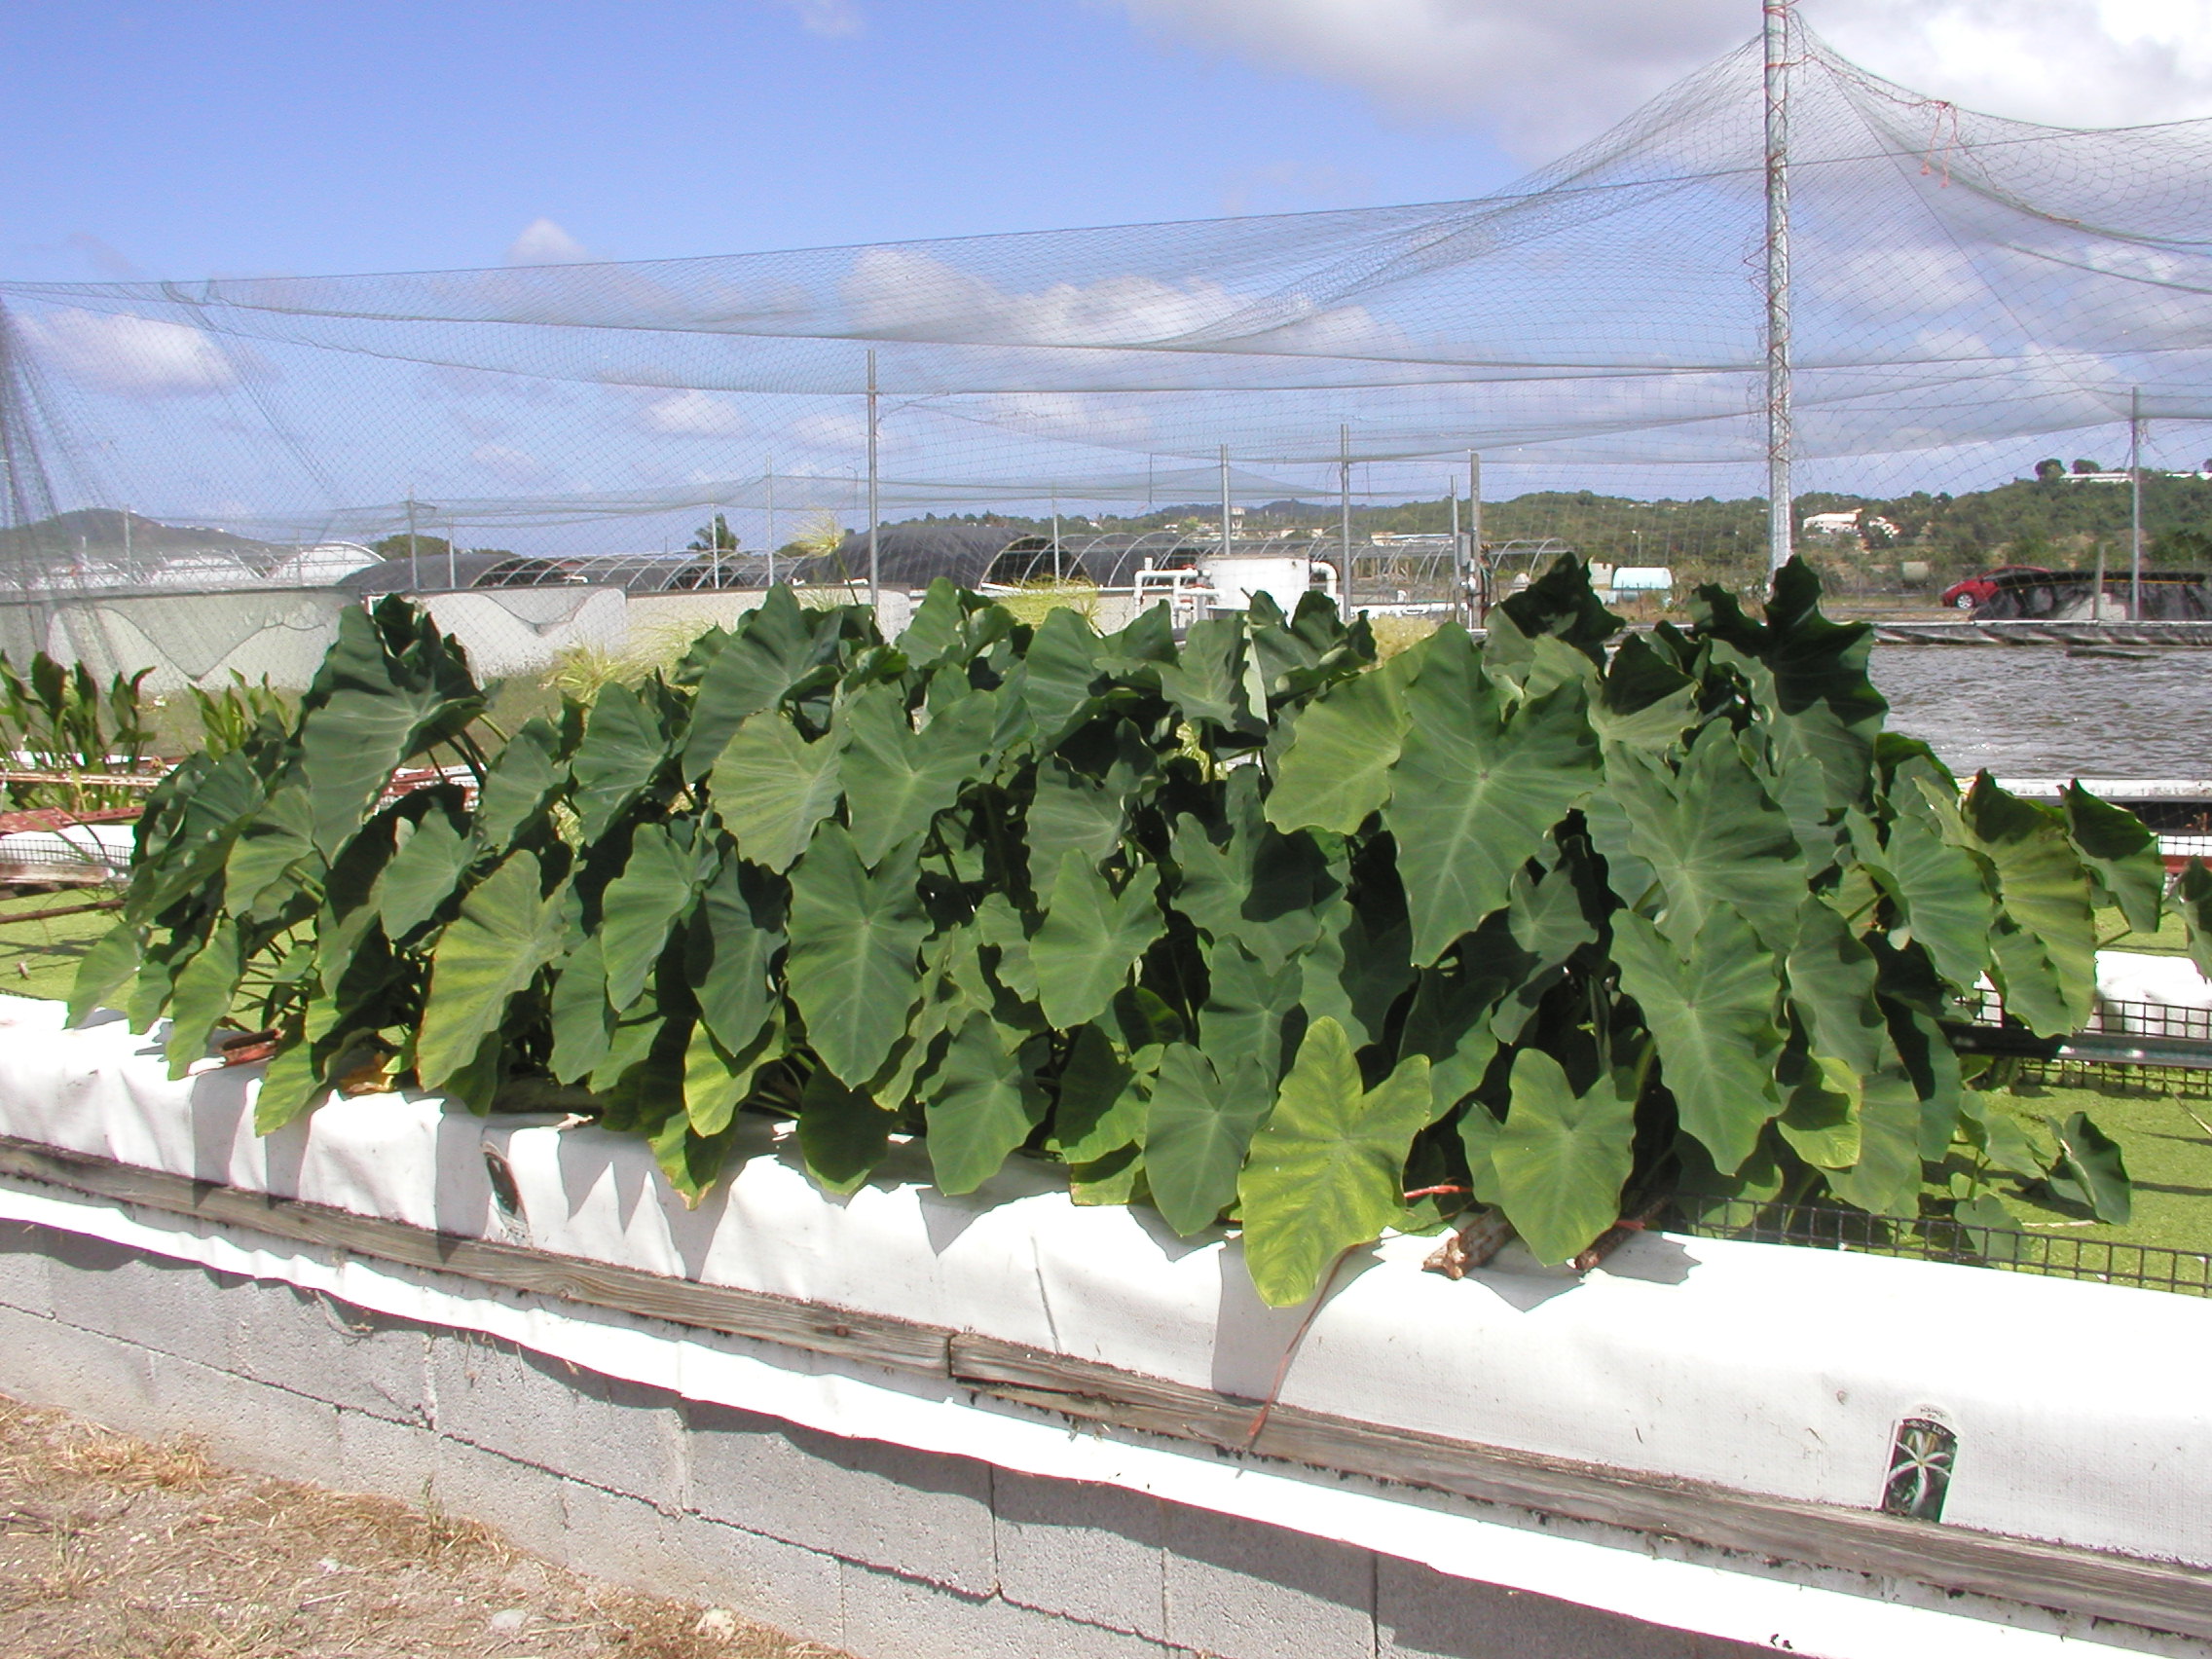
114, 1548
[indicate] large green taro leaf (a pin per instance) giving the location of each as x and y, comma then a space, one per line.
1359, 966
658, 883
854, 940
1713, 1015
1709, 837
2046, 959
521, 779
2121, 851
1196, 1128
421, 874
1939, 889
736, 935
105, 969
1885, 1179
1561, 1157
1260, 887
624, 746
1247, 1006
2193, 898
1831, 984
842, 1133
898, 780
1063, 670
1647, 701
505, 932
1091, 938
1208, 682
982, 1103
1326, 1170
201, 996
272, 857
1069, 812
1475, 789
771, 788
1337, 770
372, 708
1101, 1105
583, 1022
773, 649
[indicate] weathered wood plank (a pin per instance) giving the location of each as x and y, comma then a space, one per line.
2159, 1595
872, 1337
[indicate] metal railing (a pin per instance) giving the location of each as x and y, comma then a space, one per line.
2055, 1255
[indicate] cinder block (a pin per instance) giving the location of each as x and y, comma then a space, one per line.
1091, 1552
518, 1500
796, 1591
46, 1362
887, 1506
380, 1455
1422, 1614
167, 1305
247, 1423
315, 1344
559, 1417
26, 1281
1247, 1591
891, 1617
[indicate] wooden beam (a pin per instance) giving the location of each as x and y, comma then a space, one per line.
2155, 1594
871, 1337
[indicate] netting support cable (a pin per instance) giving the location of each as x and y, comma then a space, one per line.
874, 566
1781, 525
2135, 505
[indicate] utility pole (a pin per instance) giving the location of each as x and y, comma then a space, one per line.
453, 554
1226, 547
1779, 439
1343, 507
1055, 532
874, 566
2135, 505
1466, 601
1452, 489
771, 483
414, 552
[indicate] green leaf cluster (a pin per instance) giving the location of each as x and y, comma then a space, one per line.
1248, 926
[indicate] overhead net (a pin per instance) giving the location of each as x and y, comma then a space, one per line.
1971, 294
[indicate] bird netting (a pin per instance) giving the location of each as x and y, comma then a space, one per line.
1972, 294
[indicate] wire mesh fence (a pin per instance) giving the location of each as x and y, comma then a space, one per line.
2145, 1267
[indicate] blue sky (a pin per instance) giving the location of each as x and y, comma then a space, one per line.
189, 139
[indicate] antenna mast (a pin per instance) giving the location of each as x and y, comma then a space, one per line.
1780, 527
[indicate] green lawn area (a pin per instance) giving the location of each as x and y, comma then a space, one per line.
2166, 1143
39, 959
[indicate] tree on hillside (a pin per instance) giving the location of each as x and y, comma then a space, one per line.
2050, 471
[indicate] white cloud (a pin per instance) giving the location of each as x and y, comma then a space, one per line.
833, 19
695, 415
506, 462
1543, 77
543, 243
136, 356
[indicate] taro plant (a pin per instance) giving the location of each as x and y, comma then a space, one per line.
58, 718
1248, 926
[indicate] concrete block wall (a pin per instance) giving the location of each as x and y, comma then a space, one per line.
879, 1550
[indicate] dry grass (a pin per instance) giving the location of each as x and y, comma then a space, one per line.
116, 1548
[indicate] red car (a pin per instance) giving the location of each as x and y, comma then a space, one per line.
1974, 590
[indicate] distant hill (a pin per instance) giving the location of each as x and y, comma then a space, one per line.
101, 531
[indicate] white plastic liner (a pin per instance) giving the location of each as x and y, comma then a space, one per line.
2169, 981
75, 847
2080, 1409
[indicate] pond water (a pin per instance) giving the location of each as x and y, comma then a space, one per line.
2033, 712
